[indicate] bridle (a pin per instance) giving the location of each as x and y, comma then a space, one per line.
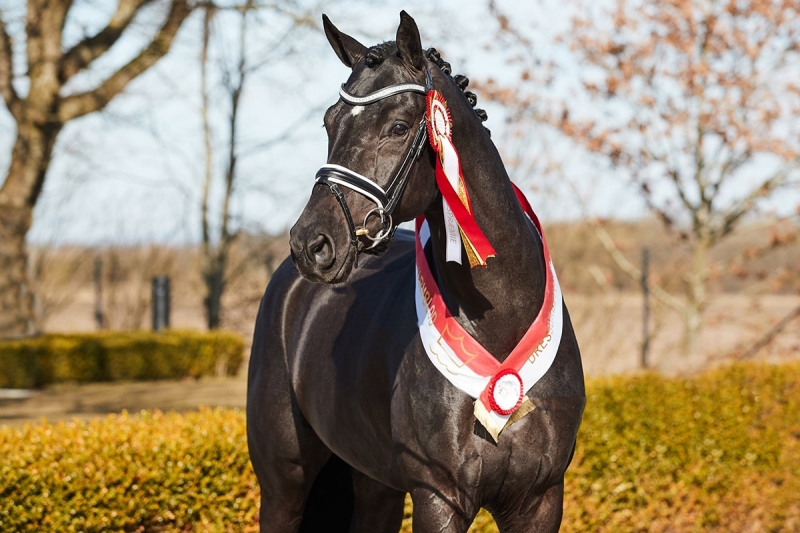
386, 200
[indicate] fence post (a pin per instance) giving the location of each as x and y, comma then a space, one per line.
646, 309
99, 318
161, 303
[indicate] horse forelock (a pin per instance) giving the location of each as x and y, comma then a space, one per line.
377, 54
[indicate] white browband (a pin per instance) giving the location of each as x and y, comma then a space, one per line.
381, 94
353, 183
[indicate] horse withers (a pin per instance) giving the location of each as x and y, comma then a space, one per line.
353, 400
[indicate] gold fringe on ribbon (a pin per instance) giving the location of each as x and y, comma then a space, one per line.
494, 430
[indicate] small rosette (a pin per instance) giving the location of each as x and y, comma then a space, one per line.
438, 120
505, 392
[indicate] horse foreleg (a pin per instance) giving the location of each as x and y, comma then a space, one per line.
378, 508
436, 512
285, 452
543, 515
286, 464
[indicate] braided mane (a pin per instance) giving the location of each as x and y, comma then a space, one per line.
377, 54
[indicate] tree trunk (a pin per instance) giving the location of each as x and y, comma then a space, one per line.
16, 297
29, 160
214, 276
697, 301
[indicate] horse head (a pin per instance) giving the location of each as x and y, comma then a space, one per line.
381, 170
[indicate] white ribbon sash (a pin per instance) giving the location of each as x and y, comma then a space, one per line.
467, 365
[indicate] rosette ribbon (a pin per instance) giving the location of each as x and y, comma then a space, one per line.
460, 223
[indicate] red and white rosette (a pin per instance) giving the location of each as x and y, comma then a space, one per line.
505, 392
438, 121
499, 388
460, 222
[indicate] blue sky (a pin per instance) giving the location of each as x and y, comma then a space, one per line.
132, 173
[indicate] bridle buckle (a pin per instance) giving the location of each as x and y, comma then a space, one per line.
385, 231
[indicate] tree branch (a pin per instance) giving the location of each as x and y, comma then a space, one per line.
618, 257
729, 167
646, 193
285, 135
745, 205
87, 50
676, 180
90, 101
7, 71
235, 92
628, 267
207, 148
770, 335
44, 28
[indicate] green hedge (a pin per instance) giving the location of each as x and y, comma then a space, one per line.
109, 356
152, 472
716, 452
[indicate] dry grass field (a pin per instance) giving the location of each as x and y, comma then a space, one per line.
754, 284
608, 325
70, 401
609, 328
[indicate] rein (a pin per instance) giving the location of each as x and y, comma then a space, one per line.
386, 200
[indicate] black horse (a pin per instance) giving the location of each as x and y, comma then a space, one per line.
345, 411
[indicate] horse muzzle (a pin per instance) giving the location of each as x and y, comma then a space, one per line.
320, 242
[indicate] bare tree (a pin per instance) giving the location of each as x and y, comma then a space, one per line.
221, 232
215, 257
695, 101
42, 113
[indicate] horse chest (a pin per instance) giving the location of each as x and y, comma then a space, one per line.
365, 384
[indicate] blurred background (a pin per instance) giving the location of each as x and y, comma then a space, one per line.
154, 154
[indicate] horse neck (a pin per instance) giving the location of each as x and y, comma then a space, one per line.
496, 304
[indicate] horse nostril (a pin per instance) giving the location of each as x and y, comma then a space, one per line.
320, 251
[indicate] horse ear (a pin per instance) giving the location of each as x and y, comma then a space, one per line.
348, 49
408, 42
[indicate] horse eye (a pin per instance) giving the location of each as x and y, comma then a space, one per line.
399, 129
